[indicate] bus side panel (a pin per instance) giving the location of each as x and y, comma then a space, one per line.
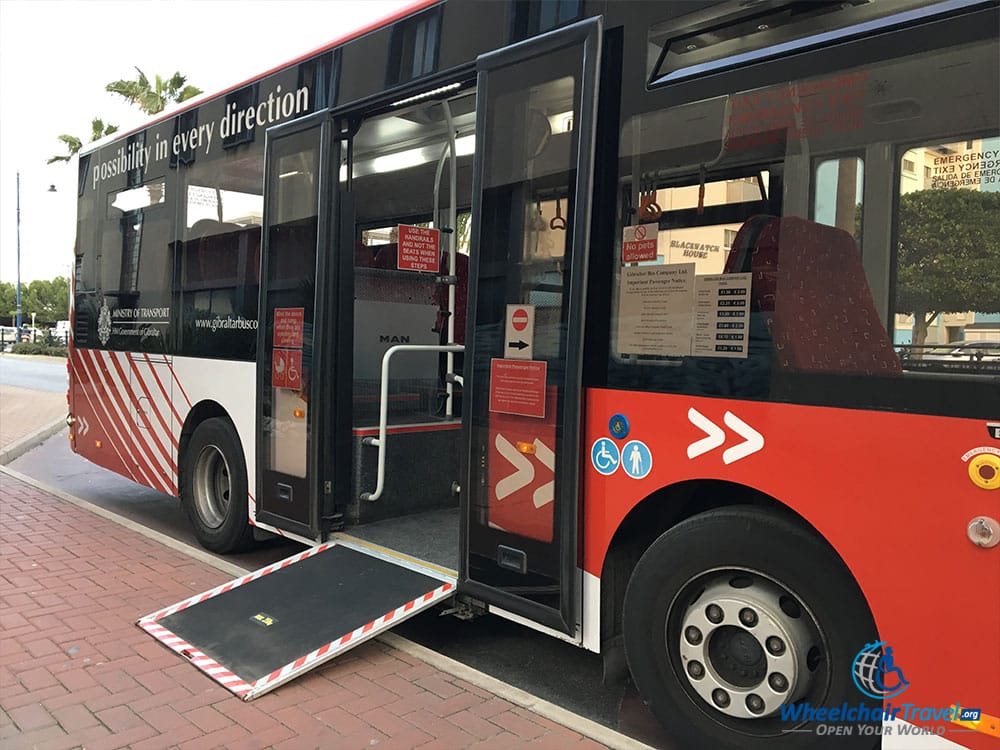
123, 418
891, 492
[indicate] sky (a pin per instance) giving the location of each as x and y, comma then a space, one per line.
56, 56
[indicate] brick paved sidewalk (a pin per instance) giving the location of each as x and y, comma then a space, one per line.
76, 672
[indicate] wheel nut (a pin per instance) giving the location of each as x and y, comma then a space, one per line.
696, 670
714, 613
778, 682
720, 697
775, 645
748, 617
692, 635
755, 703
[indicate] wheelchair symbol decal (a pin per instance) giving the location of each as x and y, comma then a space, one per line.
604, 456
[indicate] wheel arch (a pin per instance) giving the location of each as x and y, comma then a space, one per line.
654, 515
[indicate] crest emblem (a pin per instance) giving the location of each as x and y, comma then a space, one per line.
104, 324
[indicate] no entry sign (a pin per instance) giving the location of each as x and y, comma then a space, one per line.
519, 337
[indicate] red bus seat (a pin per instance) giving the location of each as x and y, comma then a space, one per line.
738, 260
823, 317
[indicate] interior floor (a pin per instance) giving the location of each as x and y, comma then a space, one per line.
431, 536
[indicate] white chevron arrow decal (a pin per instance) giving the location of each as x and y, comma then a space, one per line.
716, 435
753, 440
524, 473
546, 493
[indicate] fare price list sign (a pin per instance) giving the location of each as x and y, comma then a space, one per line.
418, 249
722, 316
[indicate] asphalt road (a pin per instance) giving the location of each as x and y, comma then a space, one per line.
36, 373
553, 670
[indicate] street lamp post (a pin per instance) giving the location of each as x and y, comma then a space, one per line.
17, 325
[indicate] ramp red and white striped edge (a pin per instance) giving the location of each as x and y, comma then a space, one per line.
248, 691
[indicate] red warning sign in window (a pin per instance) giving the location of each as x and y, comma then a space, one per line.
288, 326
286, 368
517, 387
418, 249
639, 243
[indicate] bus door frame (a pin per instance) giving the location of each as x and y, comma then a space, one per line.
588, 36
328, 459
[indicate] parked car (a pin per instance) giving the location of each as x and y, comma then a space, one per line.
8, 335
969, 351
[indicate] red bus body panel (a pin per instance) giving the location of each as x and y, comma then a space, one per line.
892, 494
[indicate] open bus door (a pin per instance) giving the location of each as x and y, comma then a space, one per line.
304, 343
265, 628
536, 113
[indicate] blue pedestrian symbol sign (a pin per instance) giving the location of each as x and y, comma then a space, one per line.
604, 456
637, 461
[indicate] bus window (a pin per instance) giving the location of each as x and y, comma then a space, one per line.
838, 194
218, 268
947, 262
735, 291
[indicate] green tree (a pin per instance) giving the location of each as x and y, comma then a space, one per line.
153, 98
74, 144
949, 255
8, 303
48, 300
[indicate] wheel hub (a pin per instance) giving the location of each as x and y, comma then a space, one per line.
737, 656
211, 486
744, 644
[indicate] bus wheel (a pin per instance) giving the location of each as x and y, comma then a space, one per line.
738, 615
214, 487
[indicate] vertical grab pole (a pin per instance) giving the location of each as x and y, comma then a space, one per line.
452, 240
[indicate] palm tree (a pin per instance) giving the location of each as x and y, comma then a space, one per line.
73, 144
152, 99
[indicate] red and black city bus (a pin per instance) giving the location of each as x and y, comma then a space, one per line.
668, 329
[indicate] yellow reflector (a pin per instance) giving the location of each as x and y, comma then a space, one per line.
528, 448
985, 723
97, 443
299, 413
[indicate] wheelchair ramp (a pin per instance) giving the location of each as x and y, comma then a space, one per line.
261, 630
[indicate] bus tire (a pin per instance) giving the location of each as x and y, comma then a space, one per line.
214, 487
789, 584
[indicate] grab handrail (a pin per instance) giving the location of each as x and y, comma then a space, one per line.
383, 407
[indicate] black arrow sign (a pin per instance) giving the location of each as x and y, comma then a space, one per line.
517, 345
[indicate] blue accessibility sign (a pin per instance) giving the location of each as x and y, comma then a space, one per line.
637, 461
618, 426
604, 456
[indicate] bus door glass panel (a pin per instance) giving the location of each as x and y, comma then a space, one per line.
523, 381
401, 163
285, 360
